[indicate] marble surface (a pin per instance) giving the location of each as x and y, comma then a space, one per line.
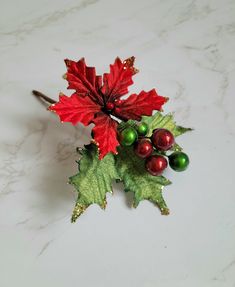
183, 48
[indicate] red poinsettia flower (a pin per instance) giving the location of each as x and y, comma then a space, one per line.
98, 100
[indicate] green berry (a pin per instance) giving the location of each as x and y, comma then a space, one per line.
142, 129
128, 136
178, 161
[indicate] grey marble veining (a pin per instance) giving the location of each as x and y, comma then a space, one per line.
185, 49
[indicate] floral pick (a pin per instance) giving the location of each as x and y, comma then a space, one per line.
128, 144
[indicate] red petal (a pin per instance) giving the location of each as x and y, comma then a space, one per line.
75, 109
83, 79
136, 106
117, 81
105, 134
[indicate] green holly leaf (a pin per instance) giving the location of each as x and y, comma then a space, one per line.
131, 170
127, 124
176, 147
167, 122
93, 180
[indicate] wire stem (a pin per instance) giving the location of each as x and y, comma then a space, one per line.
43, 97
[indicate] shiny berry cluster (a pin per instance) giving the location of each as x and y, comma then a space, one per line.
153, 150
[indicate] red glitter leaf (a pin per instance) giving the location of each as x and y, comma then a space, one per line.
75, 109
116, 83
83, 79
105, 134
136, 106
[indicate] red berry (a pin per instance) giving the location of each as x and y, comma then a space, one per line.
162, 139
156, 164
117, 110
110, 106
118, 102
143, 148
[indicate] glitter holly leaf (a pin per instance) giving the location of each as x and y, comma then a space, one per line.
105, 134
133, 174
158, 120
93, 180
137, 105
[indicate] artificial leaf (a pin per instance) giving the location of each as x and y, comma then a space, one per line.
136, 106
116, 82
105, 134
179, 130
75, 109
164, 121
83, 79
136, 179
130, 123
93, 180
176, 147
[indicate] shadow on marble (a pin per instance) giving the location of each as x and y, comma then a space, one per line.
47, 158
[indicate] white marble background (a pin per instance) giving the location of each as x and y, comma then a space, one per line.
186, 50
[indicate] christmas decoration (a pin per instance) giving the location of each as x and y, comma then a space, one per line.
128, 136
178, 161
142, 129
162, 139
156, 164
128, 142
143, 148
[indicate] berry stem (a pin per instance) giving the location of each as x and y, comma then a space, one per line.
43, 97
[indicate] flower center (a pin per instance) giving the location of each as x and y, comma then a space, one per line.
109, 106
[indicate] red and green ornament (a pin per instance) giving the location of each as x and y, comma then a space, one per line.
142, 129
128, 136
179, 161
131, 140
162, 139
156, 164
143, 148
